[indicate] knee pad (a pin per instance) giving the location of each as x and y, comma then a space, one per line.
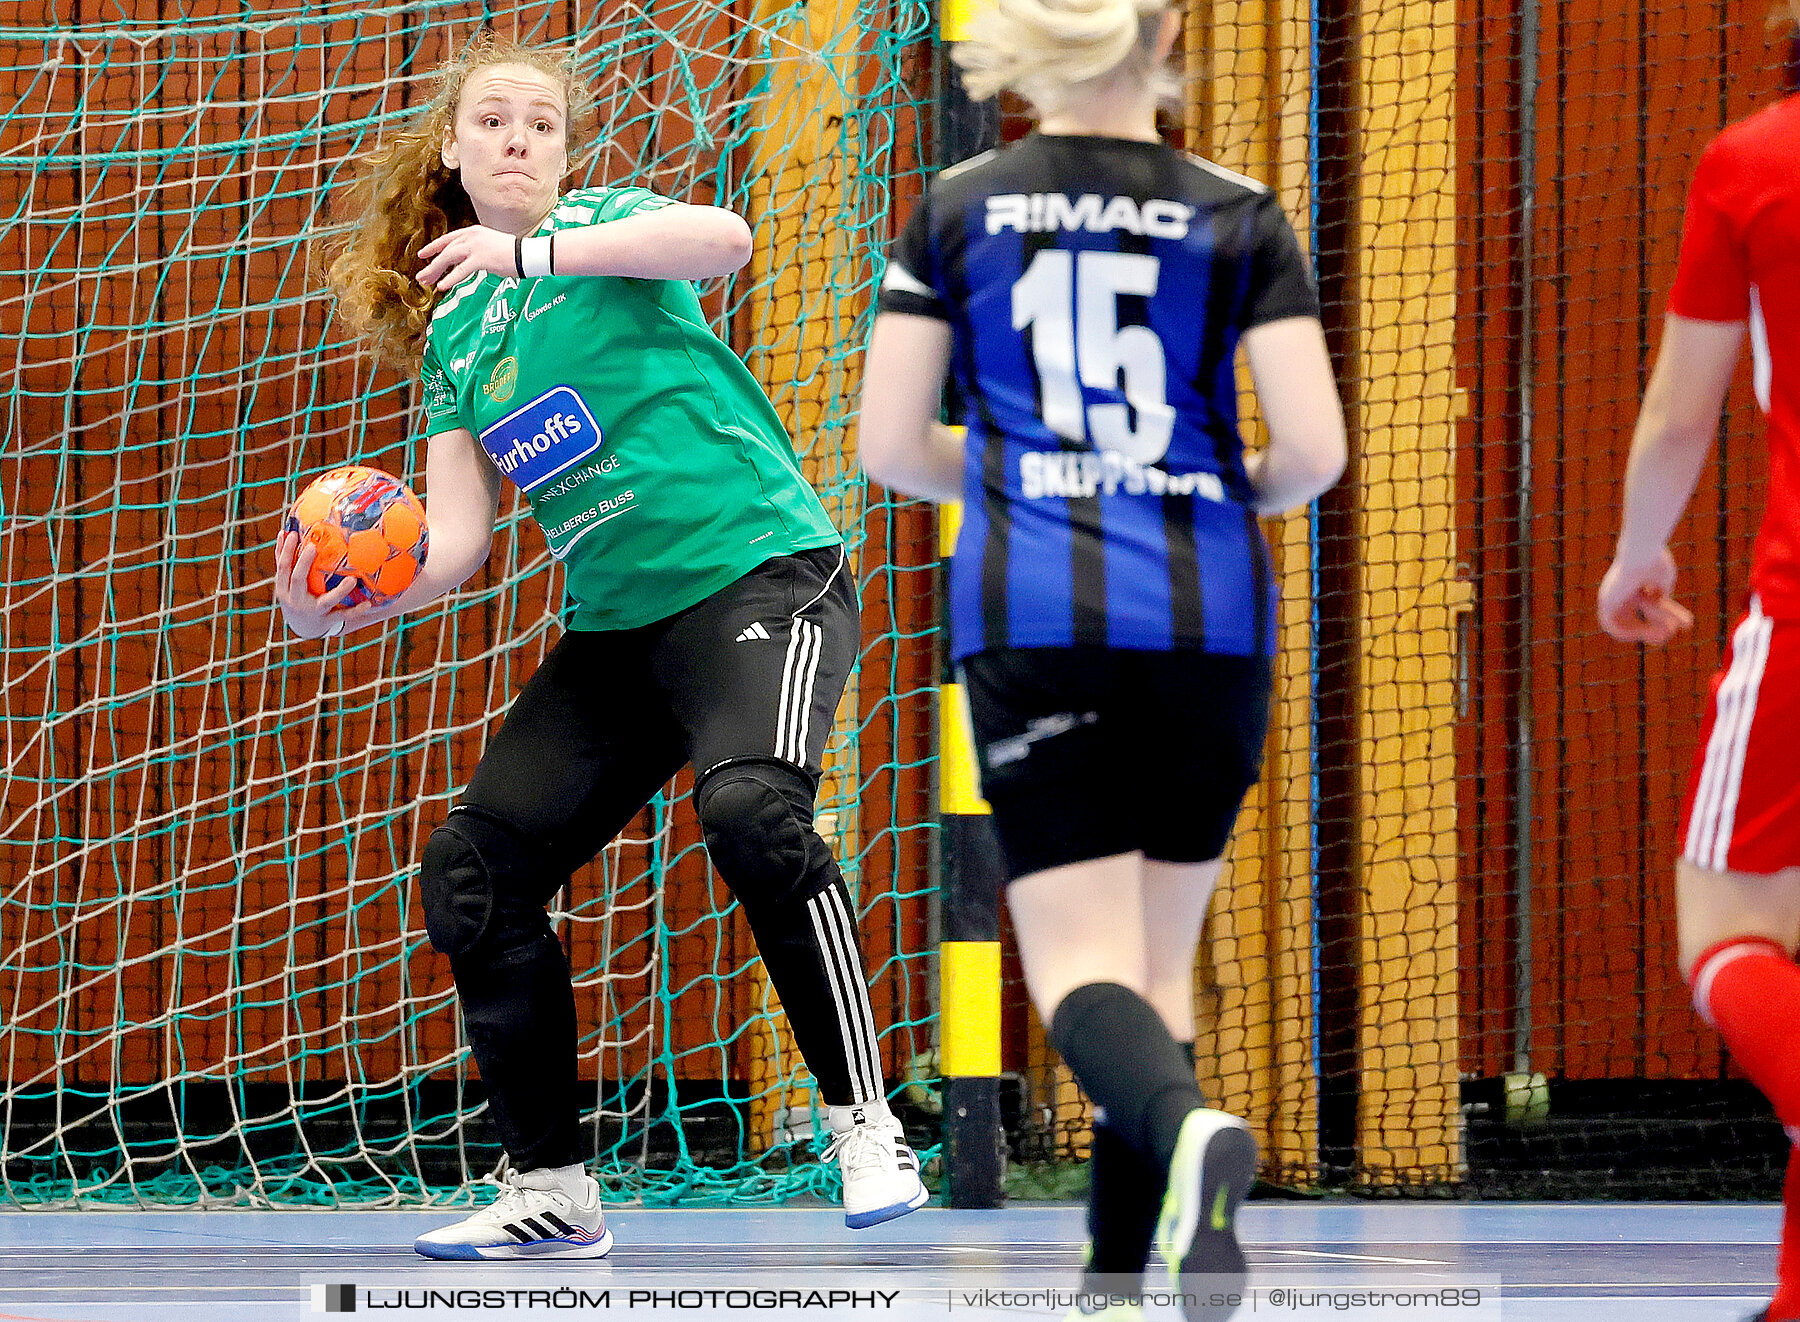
757, 820
471, 877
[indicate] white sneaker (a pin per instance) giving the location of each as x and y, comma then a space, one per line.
881, 1174
537, 1215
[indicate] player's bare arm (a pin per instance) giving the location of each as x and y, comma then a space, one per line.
462, 503
1675, 430
680, 241
1306, 452
900, 440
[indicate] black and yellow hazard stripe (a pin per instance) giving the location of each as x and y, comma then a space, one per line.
969, 955
954, 17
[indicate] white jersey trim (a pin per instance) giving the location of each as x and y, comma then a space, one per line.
458, 294
1214, 168
1762, 366
963, 167
904, 281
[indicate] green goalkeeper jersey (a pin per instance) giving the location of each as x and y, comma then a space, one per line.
652, 459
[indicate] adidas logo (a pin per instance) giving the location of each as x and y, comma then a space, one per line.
754, 631
548, 1225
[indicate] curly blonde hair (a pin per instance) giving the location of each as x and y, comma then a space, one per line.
404, 196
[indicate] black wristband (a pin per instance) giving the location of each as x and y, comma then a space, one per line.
552, 252
519, 255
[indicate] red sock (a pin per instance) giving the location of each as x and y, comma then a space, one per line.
1749, 989
1786, 1303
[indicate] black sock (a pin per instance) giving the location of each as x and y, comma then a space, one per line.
1124, 1198
1126, 1061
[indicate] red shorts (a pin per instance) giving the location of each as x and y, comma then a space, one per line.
1743, 802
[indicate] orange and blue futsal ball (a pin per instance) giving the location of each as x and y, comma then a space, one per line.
367, 525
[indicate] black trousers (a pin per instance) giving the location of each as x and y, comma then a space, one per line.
744, 685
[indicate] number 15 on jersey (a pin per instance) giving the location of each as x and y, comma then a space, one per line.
1070, 300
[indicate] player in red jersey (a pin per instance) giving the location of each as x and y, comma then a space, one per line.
1738, 878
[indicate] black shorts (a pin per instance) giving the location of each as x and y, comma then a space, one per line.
1088, 752
752, 673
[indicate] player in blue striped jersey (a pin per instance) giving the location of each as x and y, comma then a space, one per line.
1087, 291
1096, 290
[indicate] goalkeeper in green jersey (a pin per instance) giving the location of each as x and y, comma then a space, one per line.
714, 618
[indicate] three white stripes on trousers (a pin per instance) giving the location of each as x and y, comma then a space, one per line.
798, 672
1722, 775
831, 920
843, 970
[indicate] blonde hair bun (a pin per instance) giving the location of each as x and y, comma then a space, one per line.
1043, 48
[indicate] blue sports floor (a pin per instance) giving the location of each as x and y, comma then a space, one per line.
1552, 1262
